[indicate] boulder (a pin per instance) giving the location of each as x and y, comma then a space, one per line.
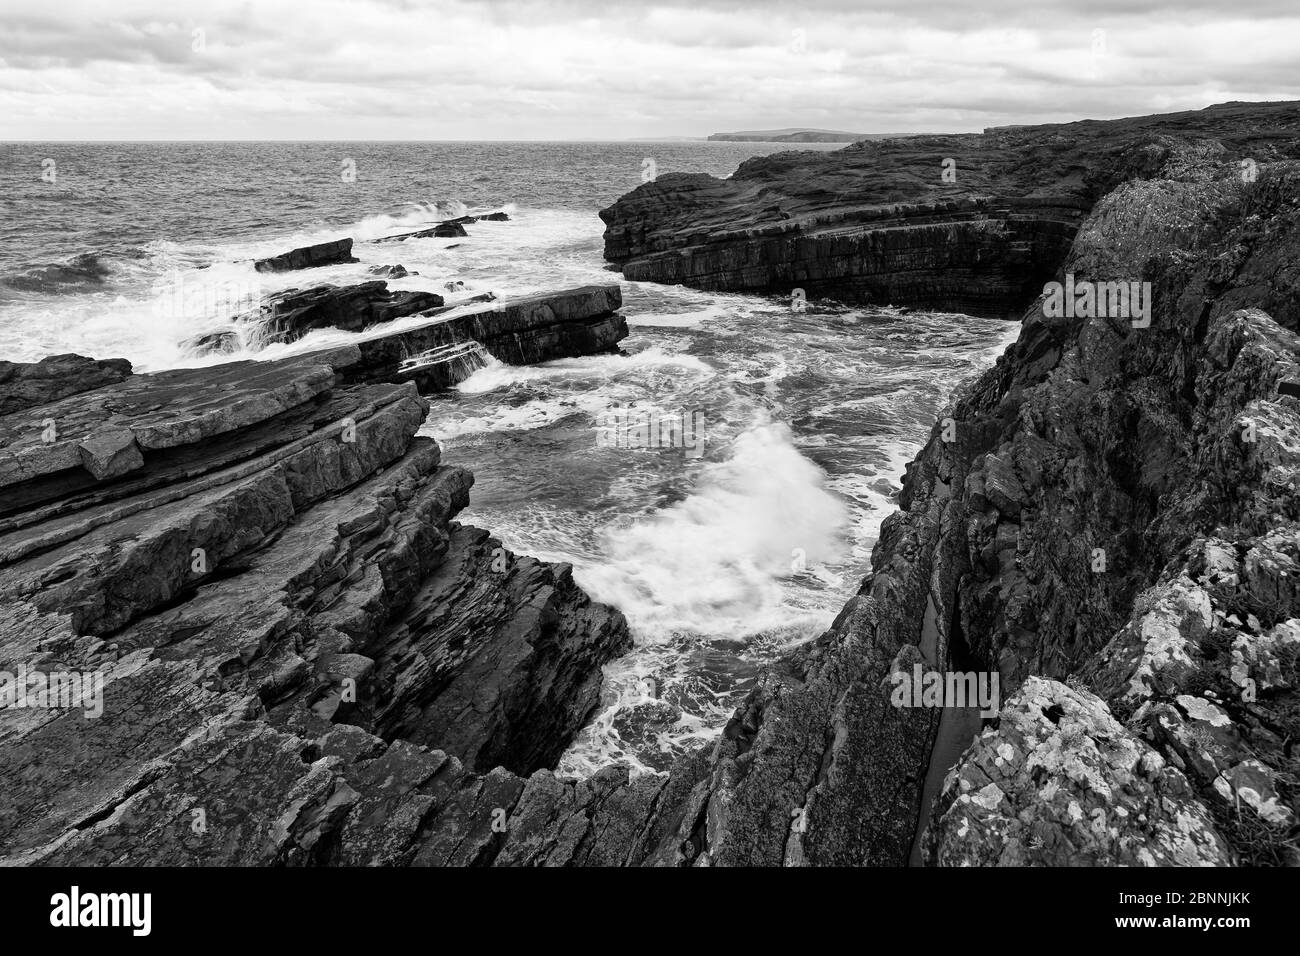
30, 384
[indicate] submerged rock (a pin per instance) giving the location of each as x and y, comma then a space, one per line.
390, 272
224, 341
448, 229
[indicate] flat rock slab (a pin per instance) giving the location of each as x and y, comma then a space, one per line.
582, 321
160, 410
307, 257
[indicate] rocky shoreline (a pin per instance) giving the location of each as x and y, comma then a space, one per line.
259, 564
307, 661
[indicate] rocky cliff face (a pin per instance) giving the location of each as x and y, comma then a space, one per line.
1107, 521
972, 223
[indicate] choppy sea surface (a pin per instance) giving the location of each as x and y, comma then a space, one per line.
722, 561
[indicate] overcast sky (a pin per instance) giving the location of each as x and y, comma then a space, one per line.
613, 69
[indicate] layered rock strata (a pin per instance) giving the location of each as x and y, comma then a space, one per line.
292, 314
239, 604
971, 223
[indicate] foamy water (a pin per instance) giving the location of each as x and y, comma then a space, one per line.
725, 562
721, 561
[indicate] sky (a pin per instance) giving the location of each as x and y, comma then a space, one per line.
614, 69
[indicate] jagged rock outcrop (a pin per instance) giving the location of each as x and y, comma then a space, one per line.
290, 315
1067, 481
242, 585
1113, 503
1062, 783
970, 223
309, 257
522, 331
452, 343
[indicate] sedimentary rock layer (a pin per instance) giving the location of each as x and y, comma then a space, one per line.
582, 321
332, 253
259, 568
971, 223
292, 314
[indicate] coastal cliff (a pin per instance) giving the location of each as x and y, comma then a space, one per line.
1108, 520
964, 223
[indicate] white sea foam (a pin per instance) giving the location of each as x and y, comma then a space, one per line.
500, 376
506, 257
713, 563
753, 547
677, 320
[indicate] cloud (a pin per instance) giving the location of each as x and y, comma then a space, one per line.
564, 69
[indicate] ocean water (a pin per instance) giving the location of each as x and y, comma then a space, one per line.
722, 561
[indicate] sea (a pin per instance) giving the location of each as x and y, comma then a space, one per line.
724, 557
